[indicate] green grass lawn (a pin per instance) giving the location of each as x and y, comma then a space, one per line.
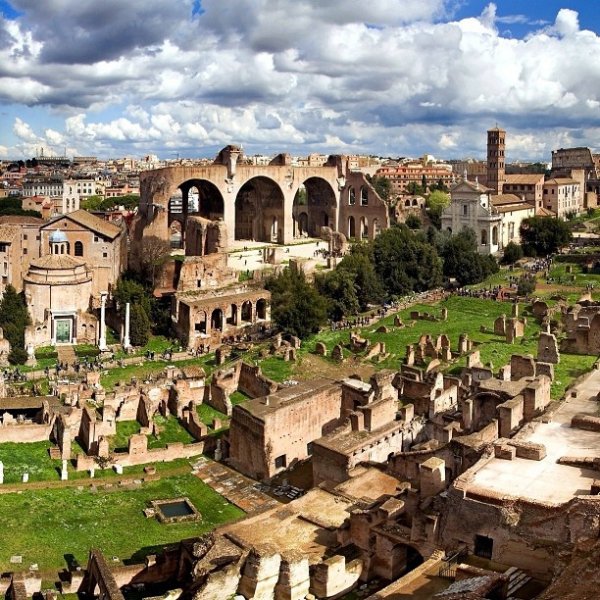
238, 397
32, 458
111, 377
125, 429
208, 413
172, 431
45, 525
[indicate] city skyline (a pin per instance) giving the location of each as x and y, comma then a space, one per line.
389, 78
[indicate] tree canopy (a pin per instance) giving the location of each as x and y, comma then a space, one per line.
296, 305
14, 317
463, 262
405, 262
382, 186
544, 235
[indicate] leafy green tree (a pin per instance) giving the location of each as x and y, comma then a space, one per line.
415, 189
526, 285
129, 202
544, 235
512, 253
139, 325
340, 290
128, 290
406, 263
382, 186
463, 262
296, 306
413, 222
436, 202
14, 317
91, 203
360, 263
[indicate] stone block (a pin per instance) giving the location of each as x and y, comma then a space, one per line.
504, 451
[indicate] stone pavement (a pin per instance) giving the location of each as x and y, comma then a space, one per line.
66, 354
239, 490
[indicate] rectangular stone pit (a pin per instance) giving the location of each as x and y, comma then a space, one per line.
175, 510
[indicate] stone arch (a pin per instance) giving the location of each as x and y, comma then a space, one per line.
351, 196
232, 318
484, 237
407, 203
246, 312
317, 199
364, 228
216, 320
415, 202
203, 198
78, 248
375, 225
259, 211
351, 227
484, 408
261, 309
364, 196
495, 235
200, 325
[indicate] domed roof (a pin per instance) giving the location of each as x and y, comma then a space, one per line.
58, 236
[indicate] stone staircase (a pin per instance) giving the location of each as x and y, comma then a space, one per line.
66, 354
516, 580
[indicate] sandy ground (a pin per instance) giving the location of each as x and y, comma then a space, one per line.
312, 366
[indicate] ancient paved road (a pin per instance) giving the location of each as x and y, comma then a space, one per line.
236, 488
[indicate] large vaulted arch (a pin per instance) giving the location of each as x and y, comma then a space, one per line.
259, 211
314, 207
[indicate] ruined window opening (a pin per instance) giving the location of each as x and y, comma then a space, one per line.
484, 546
281, 462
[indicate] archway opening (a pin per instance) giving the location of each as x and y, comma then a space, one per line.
259, 211
216, 320
232, 318
316, 200
351, 227
202, 198
261, 309
246, 313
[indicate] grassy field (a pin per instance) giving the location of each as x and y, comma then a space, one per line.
171, 431
473, 316
46, 525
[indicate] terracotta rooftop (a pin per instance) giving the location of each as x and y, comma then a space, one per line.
8, 233
90, 221
20, 220
561, 181
524, 178
57, 261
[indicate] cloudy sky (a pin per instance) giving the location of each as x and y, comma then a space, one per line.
388, 77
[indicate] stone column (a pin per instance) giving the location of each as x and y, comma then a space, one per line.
126, 340
1, 472
102, 340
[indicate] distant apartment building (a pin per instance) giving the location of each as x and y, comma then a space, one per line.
53, 188
563, 196
402, 176
527, 187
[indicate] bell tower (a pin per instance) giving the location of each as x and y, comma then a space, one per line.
495, 159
